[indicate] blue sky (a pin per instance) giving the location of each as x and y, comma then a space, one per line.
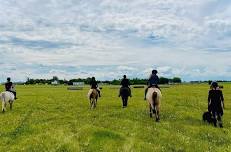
109, 38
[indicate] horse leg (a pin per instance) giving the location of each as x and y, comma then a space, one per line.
3, 106
3, 102
154, 110
157, 106
157, 113
214, 119
123, 101
150, 111
219, 120
126, 101
95, 102
91, 103
11, 104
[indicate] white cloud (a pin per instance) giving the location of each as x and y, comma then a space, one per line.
191, 39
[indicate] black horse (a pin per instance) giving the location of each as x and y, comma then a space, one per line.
124, 94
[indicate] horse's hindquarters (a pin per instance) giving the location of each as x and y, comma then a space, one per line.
154, 98
93, 98
124, 92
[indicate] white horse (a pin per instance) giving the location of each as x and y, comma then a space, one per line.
6, 97
154, 98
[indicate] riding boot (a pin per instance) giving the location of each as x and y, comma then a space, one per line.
215, 122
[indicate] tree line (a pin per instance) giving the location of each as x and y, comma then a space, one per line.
134, 81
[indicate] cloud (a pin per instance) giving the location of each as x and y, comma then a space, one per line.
190, 39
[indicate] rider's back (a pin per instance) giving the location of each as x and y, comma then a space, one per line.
125, 83
8, 86
153, 80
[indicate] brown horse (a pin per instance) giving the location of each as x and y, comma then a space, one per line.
124, 92
154, 97
93, 96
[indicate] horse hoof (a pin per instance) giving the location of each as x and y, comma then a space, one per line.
157, 120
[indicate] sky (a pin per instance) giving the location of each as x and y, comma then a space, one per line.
190, 39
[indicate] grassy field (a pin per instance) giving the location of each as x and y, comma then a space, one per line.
52, 118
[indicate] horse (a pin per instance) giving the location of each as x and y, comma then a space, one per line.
124, 93
93, 97
154, 98
5, 97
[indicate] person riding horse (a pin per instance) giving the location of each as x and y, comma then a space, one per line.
94, 85
153, 81
216, 103
125, 83
9, 87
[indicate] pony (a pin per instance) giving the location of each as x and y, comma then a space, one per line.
124, 93
6, 97
154, 99
93, 97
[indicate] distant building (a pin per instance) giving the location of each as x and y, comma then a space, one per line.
78, 83
55, 82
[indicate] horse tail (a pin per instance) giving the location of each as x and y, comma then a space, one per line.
154, 96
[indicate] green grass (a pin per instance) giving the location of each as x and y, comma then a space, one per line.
52, 118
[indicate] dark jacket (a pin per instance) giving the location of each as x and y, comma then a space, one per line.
94, 84
153, 80
8, 86
125, 83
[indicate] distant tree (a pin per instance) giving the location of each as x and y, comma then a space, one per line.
135, 81
176, 80
209, 82
88, 80
55, 78
115, 82
164, 80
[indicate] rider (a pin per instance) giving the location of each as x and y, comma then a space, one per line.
125, 83
94, 85
152, 81
9, 86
